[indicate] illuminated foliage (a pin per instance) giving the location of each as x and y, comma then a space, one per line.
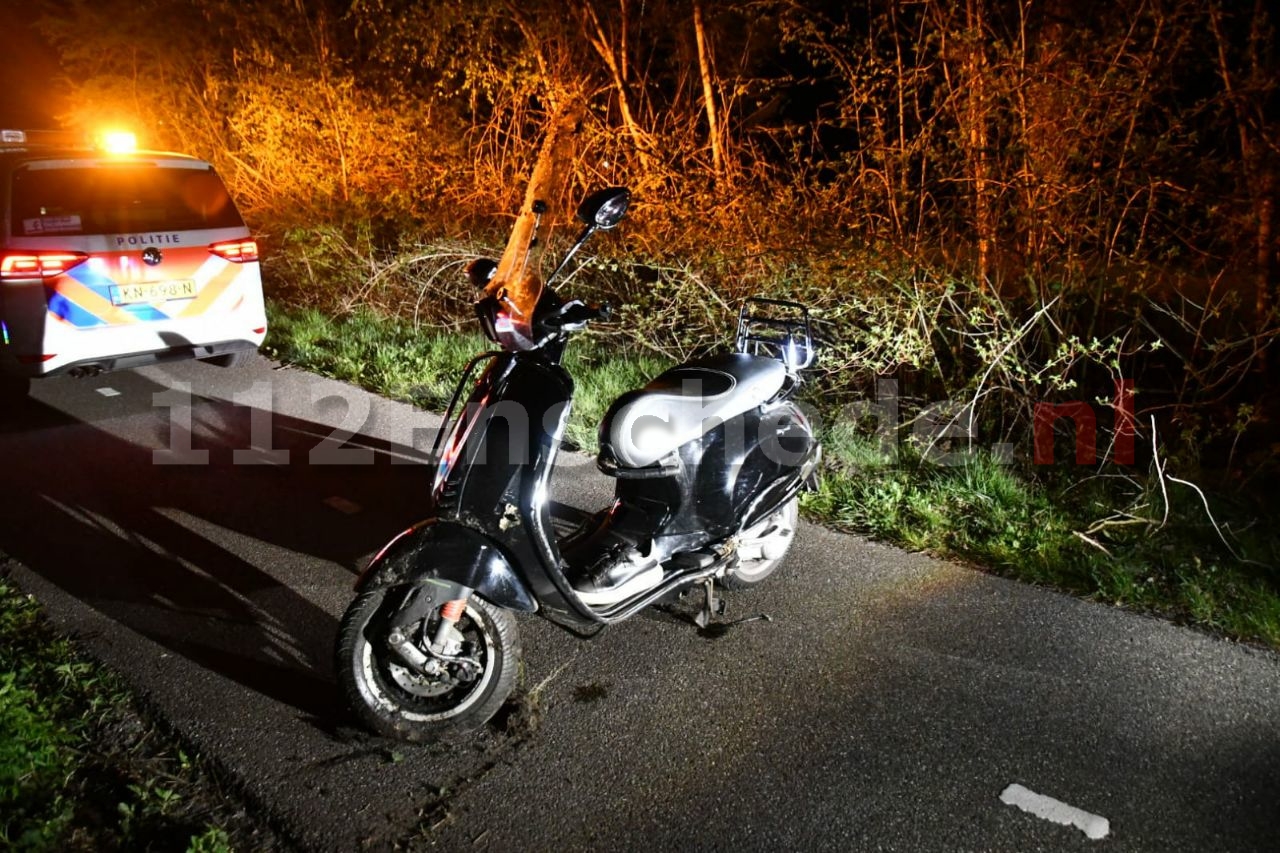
1042, 137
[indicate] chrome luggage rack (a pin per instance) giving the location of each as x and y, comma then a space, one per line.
776, 328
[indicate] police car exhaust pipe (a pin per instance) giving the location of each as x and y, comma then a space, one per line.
87, 371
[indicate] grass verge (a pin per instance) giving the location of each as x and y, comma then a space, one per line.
1113, 537
83, 767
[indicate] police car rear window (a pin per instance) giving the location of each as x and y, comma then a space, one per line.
116, 199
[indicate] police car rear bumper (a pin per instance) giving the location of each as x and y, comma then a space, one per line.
93, 366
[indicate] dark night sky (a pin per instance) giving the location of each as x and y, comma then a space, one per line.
30, 96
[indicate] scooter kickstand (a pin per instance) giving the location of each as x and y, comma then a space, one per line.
713, 606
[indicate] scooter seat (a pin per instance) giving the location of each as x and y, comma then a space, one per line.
679, 405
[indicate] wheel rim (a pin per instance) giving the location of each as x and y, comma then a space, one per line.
418, 697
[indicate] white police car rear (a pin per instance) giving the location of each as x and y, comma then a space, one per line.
117, 260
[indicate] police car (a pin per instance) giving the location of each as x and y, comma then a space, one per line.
113, 258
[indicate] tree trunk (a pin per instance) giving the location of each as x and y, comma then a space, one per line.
617, 65
1264, 203
1265, 213
709, 93
1257, 138
976, 119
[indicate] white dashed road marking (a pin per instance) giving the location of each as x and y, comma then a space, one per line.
1092, 825
108, 392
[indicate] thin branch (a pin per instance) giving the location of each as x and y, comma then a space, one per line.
1155, 455
1208, 512
1095, 543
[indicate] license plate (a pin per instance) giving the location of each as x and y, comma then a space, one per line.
156, 291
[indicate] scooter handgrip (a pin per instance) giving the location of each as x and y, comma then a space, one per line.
571, 315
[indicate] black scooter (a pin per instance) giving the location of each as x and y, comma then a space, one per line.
709, 459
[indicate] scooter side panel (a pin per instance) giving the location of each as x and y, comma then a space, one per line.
734, 474
496, 477
451, 552
776, 466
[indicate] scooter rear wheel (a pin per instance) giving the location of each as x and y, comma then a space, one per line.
398, 700
762, 548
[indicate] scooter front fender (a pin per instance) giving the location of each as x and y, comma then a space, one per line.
450, 552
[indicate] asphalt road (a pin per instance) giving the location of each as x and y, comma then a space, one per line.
204, 542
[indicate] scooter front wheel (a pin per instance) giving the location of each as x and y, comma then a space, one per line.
435, 696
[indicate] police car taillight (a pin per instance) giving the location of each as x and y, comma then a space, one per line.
237, 251
15, 265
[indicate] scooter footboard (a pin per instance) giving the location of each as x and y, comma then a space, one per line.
450, 552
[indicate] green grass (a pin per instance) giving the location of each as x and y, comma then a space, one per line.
80, 767
1104, 538
599, 377
384, 355
980, 508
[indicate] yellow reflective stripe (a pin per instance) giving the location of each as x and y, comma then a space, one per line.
74, 291
212, 289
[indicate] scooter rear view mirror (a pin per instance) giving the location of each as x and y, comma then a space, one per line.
480, 272
604, 209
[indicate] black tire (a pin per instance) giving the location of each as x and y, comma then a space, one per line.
230, 359
770, 539
397, 702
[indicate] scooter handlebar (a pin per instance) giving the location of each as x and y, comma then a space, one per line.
575, 314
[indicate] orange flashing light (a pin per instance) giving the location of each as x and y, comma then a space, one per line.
118, 142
